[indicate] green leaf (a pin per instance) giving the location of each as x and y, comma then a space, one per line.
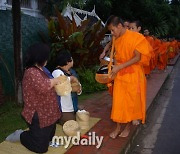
80, 51
77, 37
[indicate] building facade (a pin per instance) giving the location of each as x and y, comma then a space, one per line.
29, 7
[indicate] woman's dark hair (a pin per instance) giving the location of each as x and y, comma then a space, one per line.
37, 54
63, 58
114, 20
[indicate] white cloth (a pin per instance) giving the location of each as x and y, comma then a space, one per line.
66, 101
15, 136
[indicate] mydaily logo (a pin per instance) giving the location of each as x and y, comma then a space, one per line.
90, 139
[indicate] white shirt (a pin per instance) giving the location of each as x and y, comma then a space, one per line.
66, 101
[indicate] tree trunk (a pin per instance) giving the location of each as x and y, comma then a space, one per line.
16, 14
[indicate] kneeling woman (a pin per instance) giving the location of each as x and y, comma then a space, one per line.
41, 110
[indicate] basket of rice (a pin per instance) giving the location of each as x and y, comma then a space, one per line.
76, 86
71, 127
82, 117
63, 88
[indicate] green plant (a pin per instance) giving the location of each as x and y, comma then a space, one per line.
82, 41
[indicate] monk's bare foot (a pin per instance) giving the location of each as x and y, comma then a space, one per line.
126, 131
147, 75
115, 133
135, 122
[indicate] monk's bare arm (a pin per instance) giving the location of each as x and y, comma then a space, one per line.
107, 47
135, 59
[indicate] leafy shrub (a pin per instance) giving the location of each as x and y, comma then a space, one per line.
82, 41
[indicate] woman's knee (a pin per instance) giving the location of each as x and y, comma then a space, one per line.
34, 144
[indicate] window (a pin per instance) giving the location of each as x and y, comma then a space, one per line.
24, 3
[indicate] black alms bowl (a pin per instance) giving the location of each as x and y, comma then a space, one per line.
103, 70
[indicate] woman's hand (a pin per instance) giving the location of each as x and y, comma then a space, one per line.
73, 79
55, 81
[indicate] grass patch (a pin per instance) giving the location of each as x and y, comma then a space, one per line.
10, 119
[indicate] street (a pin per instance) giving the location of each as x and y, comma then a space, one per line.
161, 133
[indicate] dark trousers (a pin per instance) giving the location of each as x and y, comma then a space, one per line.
37, 139
65, 116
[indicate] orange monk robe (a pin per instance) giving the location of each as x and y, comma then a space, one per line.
110, 88
150, 40
168, 48
152, 60
156, 47
176, 46
147, 69
129, 93
162, 60
167, 45
167, 52
171, 50
151, 63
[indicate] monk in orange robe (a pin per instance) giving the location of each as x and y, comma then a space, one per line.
176, 47
173, 49
136, 27
151, 63
129, 93
162, 60
107, 48
156, 47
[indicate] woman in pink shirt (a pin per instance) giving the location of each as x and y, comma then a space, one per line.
41, 110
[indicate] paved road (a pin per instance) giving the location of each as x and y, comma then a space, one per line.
161, 134
168, 139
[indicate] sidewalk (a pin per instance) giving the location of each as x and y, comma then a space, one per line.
172, 62
100, 106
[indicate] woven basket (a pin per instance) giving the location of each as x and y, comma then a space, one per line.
64, 88
71, 127
76, 86
83, 119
